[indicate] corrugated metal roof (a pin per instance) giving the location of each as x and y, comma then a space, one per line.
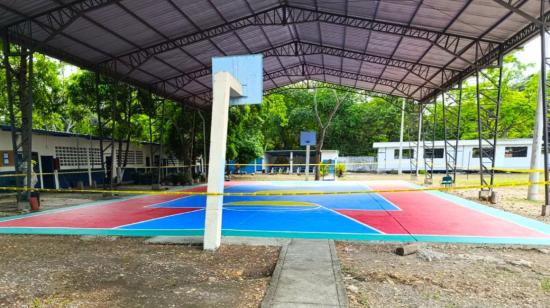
167, 45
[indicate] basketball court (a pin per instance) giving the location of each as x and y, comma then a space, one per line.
385, 216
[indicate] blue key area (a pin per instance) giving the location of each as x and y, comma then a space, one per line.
370, 202
286, 219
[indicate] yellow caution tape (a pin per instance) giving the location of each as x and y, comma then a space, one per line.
275, 193
235, 164
47, 173
519, 170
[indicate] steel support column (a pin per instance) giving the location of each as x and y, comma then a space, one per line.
428, 142
411, 126
419, 138
113, 127
401, 129
161, 144
544, 32
151, 114
488, 97
452, 105
204, 153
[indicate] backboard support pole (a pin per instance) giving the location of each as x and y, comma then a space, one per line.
224, 86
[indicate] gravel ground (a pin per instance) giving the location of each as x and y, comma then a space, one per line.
65, 271
445, 276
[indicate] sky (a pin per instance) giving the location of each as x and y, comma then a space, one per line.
531, 54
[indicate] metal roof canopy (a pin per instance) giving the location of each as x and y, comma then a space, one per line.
408, 48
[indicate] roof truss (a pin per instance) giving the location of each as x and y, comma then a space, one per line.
290, 15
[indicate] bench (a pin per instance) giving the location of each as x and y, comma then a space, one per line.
447, 181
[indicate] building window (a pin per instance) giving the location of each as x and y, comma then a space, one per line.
407, 153
515, 152
75, 157
437, 153
487, 153
132, 157
95, 156
5, 159
68, 156
139, 158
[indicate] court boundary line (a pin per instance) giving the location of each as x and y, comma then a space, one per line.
388, 212
354, 220
469, 204
386, 238
156, 218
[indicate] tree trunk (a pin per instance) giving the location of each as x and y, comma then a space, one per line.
318, 150
323, 127
128, 122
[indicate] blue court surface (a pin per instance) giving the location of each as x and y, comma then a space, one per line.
386, 216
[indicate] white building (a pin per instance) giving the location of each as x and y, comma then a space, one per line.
295, 159
510, 153
78, 157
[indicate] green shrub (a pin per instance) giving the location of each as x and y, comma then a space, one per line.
545, 284
340, 170
323, 169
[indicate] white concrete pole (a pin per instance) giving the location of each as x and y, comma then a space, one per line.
533, 190
89, 162
291, 161
307, 161
40, 170
399, 164
56, 178
223, 86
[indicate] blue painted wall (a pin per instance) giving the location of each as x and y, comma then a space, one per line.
249, 168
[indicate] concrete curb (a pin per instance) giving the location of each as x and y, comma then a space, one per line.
340, 288
269, 296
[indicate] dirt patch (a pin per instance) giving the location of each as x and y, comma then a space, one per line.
66, 271
445, 276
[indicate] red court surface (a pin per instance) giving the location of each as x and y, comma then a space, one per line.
383, 216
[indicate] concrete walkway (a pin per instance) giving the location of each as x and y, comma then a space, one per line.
307, 275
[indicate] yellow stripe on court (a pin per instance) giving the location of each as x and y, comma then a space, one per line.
270, 203
287, 191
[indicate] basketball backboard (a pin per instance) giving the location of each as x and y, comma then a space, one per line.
247, 69
308, 138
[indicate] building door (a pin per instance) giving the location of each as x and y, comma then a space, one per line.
109, 164
47, 167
